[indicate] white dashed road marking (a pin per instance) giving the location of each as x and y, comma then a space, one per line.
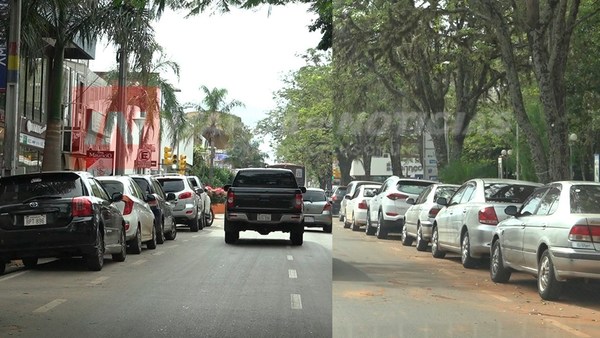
139, 262
292, 273
290, 257
12, 276
195, 236
296, 301
99, 280
49, 306
174, 246
186, 240
158, 253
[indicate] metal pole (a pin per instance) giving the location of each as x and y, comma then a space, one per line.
120, 149
570, 160
12, 136
517, 169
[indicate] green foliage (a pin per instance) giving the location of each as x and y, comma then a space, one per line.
458, 172
221, 176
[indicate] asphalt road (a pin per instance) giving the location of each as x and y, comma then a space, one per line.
195, 286
384, 289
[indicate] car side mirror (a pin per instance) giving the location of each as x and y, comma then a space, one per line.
442, 201
410, 200
303, 189
198, 191
171, 196
348, 197
511, 210
116, 197
150, 197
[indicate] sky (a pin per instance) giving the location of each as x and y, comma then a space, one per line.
247, 52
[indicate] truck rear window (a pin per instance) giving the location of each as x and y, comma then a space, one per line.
265, 179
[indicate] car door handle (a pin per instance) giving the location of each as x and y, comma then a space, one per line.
544, 226
522, 225
464, 211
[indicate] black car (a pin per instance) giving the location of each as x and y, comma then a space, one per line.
336, 199
162, 209
59, 214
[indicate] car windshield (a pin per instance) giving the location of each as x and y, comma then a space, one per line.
21, 188
413, 188
585, 199
267, 178
314, 196
112, 187
172, 185
506, 192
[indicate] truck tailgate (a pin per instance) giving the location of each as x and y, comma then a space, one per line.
265, 199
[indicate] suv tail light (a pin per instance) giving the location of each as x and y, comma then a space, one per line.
433, 212
230, 199
185, 195
128, 205
488, 215
584, 233
81, 207
327, 207
362, 205
397, 196
298, 203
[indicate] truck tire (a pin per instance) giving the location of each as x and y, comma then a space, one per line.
231, 236
296, 236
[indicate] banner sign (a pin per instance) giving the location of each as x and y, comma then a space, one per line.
100, 163
4, 17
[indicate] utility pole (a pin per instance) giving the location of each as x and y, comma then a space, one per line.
120, 149
12, 137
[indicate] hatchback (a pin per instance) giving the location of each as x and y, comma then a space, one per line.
555, 236
139, 218
317, 209
357, 205
161, 207
468, 220
58, 214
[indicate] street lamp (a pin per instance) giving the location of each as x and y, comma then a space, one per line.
504, 154
572, 140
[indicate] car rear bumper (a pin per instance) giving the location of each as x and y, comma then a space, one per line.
75, 239
480, 239
575, 263
317, 220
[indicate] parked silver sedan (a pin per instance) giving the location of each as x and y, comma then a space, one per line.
555, 236
467, 223
418, 219
317, 209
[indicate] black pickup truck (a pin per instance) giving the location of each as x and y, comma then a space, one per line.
264, 200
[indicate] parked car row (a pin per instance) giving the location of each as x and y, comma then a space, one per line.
71, 213
550, 231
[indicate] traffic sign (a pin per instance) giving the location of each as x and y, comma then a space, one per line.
144, 155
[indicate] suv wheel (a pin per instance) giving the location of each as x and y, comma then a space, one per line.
160, 232
370, 230
95, 260
151, 244
380, 232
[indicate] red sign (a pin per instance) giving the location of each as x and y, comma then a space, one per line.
100, 163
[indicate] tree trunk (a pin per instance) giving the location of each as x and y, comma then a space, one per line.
395, 155
52, 145
345, 164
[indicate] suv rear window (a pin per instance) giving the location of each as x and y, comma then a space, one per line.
15, 189
266, 179
172, 184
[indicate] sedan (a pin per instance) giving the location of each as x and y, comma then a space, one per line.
468, 220
554, 236
418, 219
58, 214
139, 218
317, 209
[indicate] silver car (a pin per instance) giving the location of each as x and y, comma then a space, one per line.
317, 209
418, 219
187, 207
555, 236
468, 220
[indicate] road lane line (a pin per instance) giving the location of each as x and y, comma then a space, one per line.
99, 280
173, 246
195, 236
568, 329
13, 275
158, 253
49, 306
186, 240
139, 262
296, 301
290, 257
292, 273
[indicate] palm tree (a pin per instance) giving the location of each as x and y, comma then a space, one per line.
214, 122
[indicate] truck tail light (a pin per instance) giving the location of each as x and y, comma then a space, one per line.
128, 205
362, 205
230, 199
488, 215
397, 196
185, 195
81, 207
298, 203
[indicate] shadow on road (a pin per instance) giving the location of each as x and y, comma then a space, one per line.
262, 242
345, 272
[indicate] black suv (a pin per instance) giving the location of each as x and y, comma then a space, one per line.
164, 222
58, 214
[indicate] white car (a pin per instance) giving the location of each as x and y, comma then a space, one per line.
202, 192
138, 217
356, 206
467, 223
350, 190
418, 219
386, 210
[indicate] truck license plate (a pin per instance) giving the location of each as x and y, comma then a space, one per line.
263, 217
34, 220
309, 219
